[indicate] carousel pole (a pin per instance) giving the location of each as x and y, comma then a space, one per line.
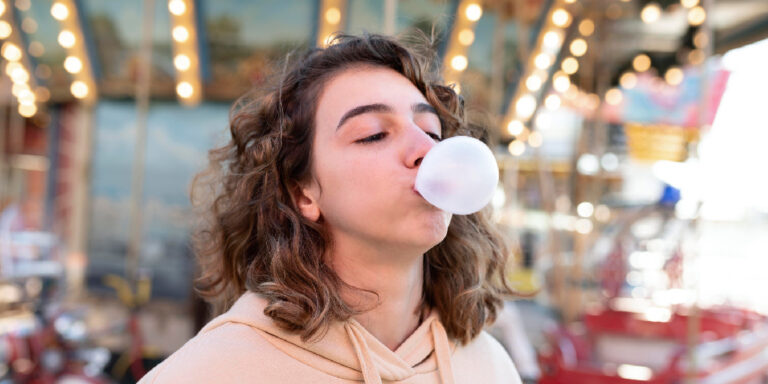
693, 324
133, 258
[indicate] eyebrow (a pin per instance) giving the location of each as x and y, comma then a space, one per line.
382, 108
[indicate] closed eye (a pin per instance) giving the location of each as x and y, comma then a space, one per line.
434, 136
373, 138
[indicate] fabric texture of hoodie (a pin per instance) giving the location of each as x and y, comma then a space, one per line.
244, 345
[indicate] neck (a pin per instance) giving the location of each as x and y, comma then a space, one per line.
397, 278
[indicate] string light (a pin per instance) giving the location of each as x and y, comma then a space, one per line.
561, 18
516, 148
79, 89
570, 65
474, 12
59, 11
543, 60
515, 127
697, 16
674, 76
19, 74
67, 39
27, 110
535, 139
333, 15
586, 27
185, 90
525, 106
2, 8
552, 102
696, 57
5, 29
641, 63
36, 49
578, 47
29, 25
561, 82
180, 33
466, 36
628, 80
689, 3
614, 96
182, 62
650, 13
459, 62
177, 7
11, 52
552, 39
533, 82
73, 65
700, 39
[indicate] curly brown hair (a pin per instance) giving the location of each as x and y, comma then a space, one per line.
255, 237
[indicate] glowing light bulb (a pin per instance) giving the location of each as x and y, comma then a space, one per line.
466, 36
697, 16
552, 102
185, 90
674, 76
570, 65
5, 29
177, 7
11, 52
333, 15
73, 65
516, 148
180, 33
474, 12
628, 80
27, 110
59, 11
67, 39
614, 96
459, 62
561, 82
543, 60
79, 89
533, 82
535, 139
587, 27
561, 17
552, 40
578, 47
525, 106
641, 63
182, 62
650, 13
515, 127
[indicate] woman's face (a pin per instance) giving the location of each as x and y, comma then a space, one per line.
373, 127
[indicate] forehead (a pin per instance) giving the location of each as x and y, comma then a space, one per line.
366, 85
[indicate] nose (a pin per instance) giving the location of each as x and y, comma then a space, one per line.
418, 143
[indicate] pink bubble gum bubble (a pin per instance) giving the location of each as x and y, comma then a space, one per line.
458, 175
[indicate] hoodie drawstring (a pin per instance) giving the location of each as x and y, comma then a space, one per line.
442, 352
371, 374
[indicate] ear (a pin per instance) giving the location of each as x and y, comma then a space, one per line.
306, 198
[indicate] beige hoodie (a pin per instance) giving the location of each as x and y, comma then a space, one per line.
245, 346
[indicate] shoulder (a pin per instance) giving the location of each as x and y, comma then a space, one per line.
229, 353
484, 358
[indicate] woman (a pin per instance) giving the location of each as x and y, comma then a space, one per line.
340, 270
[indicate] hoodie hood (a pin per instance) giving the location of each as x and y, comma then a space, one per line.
347, 350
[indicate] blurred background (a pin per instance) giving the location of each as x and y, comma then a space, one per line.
630, 135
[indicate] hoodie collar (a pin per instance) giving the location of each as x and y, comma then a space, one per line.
349, 347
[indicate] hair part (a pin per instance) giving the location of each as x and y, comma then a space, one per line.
254, 237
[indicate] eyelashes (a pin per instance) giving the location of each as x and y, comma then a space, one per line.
381, 135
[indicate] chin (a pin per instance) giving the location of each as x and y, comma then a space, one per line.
434, 231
